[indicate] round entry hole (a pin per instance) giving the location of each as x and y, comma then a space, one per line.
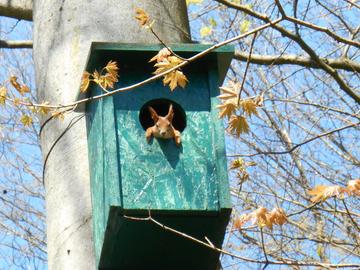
161, 106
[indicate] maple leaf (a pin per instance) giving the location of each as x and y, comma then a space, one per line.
276, 216
237, 163
322, 192
162, 55
227, 109
85, 81
17, 101
112, 68
44, 110
259, 217
228, 93
108, 80
141, 16
240, 221
58, 115
26, 120
262, 218
174, 79
22, 89
244, 26
3, 95
238, 125
353, 187
205, 31
14, 83
195, 2
249, 107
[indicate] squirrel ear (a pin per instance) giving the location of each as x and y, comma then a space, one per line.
170, 114
153, 114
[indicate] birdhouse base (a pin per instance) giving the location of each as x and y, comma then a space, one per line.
140, 244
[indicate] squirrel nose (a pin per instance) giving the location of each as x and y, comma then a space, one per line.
162, 133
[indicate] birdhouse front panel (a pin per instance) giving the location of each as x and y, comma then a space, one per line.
159, 174
131, 175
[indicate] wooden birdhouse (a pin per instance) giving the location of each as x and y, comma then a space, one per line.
183, 187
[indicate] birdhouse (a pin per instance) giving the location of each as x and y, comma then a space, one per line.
183, 187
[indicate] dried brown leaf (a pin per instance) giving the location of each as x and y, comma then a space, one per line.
353, 187
322, 192
26, 120
141, 16
85, 81
249, 107
3, 95
162, 55
227, 109
238, 125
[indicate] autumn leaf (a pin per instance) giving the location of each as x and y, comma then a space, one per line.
249, 107
3, 95
112, 68
212, 22
259, 217
205, 31
227, 109
238, 125
276, 216
14, 83
228, 93
195, 2
240, 221
353, 187
17, 101
244, 26
22, 89
85, 81
108, 80
237, 163
322, 192
141, 16
26, 120
43, 110
173, 78
58, 115
262, 218
162, 55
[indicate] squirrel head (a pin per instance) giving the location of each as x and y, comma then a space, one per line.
163, 124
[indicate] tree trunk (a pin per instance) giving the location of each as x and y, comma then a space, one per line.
63, 32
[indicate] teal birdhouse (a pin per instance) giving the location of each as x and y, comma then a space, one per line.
183, 186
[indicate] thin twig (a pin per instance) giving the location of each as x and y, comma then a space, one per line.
155, 77
246, 68
351, 218
164, 44
296, 146
263, 248
284, 262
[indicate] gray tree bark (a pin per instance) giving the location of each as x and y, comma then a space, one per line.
63, 32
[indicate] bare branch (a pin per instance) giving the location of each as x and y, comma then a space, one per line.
18, 9
342, 63
210, 246
296, 146
303, 45
16, 44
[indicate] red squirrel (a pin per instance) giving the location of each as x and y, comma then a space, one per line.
163, 127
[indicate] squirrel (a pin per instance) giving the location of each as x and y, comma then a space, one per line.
163, 127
